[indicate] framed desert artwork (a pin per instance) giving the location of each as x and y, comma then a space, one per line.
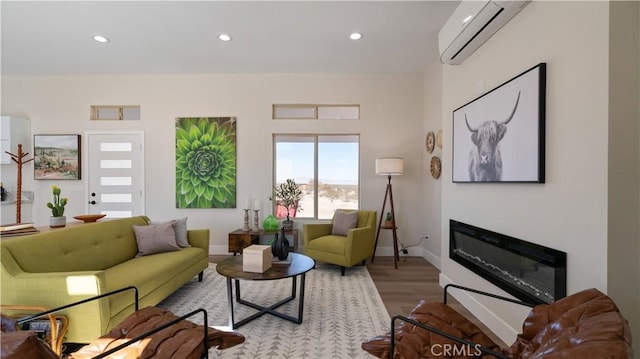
56, 157
500, 136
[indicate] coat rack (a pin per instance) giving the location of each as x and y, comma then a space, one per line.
19, 160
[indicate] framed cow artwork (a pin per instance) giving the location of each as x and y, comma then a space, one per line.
500, 136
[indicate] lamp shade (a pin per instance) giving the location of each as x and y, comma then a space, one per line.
392, 166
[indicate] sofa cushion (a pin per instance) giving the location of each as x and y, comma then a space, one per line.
332, 244
148, 273
343, 221
156, 238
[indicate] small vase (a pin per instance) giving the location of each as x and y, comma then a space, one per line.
280, 247
270, 223
56, 222
287, 225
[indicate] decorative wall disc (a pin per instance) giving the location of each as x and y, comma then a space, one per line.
430, 141
439, 139
436, 167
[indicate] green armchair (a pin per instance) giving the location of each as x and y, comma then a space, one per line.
348, 251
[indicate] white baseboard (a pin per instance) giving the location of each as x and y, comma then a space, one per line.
381, 251
218, 249
431, 258
505, 332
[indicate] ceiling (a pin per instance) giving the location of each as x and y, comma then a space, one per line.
180, 37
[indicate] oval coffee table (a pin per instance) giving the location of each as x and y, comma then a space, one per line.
231, 268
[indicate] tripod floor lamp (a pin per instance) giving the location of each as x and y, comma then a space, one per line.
389, 167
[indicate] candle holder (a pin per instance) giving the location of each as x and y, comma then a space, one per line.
256, 226
246, 228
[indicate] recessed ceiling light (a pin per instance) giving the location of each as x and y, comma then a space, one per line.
355, 36
467, 19
224, 37
99, 38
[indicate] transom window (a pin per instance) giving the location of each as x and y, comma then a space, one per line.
315, 112
326, 167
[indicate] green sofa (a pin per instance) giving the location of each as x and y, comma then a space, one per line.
348, 251
62, 266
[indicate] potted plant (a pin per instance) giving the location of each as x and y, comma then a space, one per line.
57, 218
288, 194
388, 222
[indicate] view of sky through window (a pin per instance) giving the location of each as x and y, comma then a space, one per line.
337, 169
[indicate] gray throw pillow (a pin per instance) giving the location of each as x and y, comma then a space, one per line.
155, 238
181, 231
343, 221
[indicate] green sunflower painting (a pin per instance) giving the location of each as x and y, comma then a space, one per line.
206, 162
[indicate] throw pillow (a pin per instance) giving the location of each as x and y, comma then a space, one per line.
156, 238
180, 228
181, 232
343, 221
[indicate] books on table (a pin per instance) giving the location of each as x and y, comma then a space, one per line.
17, 229
277, 260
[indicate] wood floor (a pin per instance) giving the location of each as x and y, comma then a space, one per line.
401, 289
415, 279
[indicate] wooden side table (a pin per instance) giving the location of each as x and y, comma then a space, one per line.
239, 239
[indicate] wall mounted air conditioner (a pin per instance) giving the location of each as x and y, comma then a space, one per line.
471, 24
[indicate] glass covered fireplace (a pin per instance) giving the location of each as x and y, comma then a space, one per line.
528, 271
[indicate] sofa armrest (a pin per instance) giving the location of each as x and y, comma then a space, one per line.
311, 231
55, 289
361, 243
199, 238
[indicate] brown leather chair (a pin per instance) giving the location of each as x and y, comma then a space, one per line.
583, 325
180, 339
147, 333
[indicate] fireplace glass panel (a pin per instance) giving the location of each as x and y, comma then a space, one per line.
531, 272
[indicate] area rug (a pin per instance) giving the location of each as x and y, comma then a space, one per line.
339, 314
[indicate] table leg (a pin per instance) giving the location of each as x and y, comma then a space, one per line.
230, 300
270, 309
293, 287
301, 301
238, 291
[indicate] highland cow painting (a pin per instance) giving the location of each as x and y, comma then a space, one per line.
56, 157
500, 136
206, 162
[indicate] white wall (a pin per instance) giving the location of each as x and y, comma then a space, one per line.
624, 157
569, 211
432, 188
390, 125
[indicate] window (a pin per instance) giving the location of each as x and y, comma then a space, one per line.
118, 112
326, 167
315, 112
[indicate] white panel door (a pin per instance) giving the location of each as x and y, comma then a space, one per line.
116, 174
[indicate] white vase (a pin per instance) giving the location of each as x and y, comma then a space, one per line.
55, 222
